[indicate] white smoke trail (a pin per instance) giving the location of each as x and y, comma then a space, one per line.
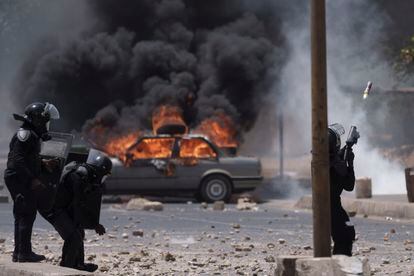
352, 60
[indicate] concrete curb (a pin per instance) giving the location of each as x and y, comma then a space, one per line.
338, 265
8, 268
368, 207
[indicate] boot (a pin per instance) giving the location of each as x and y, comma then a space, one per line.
30, 258
87, 267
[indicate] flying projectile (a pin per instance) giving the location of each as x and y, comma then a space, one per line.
367, 90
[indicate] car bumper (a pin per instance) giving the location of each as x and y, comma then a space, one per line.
246, 183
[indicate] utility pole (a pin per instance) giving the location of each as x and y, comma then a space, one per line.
320, 151
281, 147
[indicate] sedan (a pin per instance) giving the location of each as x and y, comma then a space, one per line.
165, 164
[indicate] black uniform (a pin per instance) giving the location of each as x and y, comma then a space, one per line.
22, 175
342, 177
71, 213
23, 166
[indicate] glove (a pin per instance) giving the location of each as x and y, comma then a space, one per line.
100, 229
37, 185
350, 158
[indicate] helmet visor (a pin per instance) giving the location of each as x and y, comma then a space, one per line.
338, 129
95, 157
52, 110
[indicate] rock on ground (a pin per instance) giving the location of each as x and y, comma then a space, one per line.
144, 204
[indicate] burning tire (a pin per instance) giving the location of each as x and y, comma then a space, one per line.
215, 187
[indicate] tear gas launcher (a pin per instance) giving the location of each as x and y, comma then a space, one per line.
352, 139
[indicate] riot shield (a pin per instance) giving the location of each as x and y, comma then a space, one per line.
56, 149
89, 209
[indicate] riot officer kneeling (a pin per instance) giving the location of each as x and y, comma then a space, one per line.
23, 172
342, 177
77, 206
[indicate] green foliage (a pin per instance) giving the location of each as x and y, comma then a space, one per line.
405, 62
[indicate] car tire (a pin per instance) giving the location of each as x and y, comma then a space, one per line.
215, 188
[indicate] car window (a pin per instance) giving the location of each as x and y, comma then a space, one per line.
196, 148
152, 148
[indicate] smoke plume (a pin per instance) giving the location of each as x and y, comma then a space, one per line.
137, 55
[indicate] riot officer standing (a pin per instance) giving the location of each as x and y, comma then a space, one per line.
77, 206
342, 177
22, 175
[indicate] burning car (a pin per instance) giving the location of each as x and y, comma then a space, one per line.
186, 163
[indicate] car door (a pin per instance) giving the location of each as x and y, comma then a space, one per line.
195, 157
147, 166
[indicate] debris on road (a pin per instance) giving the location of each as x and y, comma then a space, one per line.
144, 204
246, 203
138, 233
218, 206
236, 226
281, 241
168, 257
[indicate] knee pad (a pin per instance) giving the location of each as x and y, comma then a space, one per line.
24, 206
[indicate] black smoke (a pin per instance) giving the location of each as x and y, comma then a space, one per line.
206, 57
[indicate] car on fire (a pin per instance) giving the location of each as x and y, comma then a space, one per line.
168, 164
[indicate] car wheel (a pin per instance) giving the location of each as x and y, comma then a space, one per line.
215, 188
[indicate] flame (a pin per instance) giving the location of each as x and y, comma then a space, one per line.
196, 148
167, 119
152, 148
220, 129
118, 146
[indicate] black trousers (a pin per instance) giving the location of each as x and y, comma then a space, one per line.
73, 252
24, 212
343, 234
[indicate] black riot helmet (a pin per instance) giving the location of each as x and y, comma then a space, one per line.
38, 115
334, 135
100, 164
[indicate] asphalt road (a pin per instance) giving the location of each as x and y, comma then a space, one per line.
207, 241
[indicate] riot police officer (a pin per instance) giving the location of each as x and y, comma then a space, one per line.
77, 206
342, 177
22, 175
